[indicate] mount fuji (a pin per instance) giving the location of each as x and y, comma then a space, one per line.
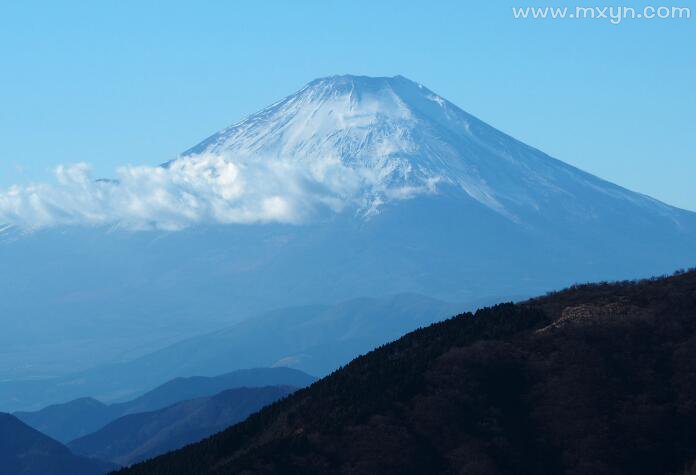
400, 140
351, 187
444, 202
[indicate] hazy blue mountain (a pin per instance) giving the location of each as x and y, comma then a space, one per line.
181, 389
395, 189
315, 339
143, 435
69, 420
74, 419
26, 451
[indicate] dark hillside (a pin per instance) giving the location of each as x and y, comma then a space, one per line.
26, 451
596, 379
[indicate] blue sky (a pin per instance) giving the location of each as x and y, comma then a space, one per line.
116, 82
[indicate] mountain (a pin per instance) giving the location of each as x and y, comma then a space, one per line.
595, 379
136, 437
409, 140
26, 451
69, 420
313, 338
352, 187
77, 418
181, 389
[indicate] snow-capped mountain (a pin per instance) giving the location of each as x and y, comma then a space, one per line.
398, 139
352, 187
344, 144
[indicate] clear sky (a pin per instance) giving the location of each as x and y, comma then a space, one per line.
116, 82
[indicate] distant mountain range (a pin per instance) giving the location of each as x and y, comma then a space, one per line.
143, 435
26, 451
352, 187
315, 338
77, 418
594, 379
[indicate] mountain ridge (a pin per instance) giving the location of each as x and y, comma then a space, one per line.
596, 378
139, 436
80, 417
26, 451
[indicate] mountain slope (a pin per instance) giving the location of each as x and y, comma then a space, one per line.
406, 137
313, 338
352, 187
181, 389
77, 418
24, 450
69, 420
594, 379
143, 435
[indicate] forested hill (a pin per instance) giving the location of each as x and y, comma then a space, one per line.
595, 379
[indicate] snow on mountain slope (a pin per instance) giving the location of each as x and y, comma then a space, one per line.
397, 139
343, 144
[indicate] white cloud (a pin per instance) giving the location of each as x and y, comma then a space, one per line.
200, 189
